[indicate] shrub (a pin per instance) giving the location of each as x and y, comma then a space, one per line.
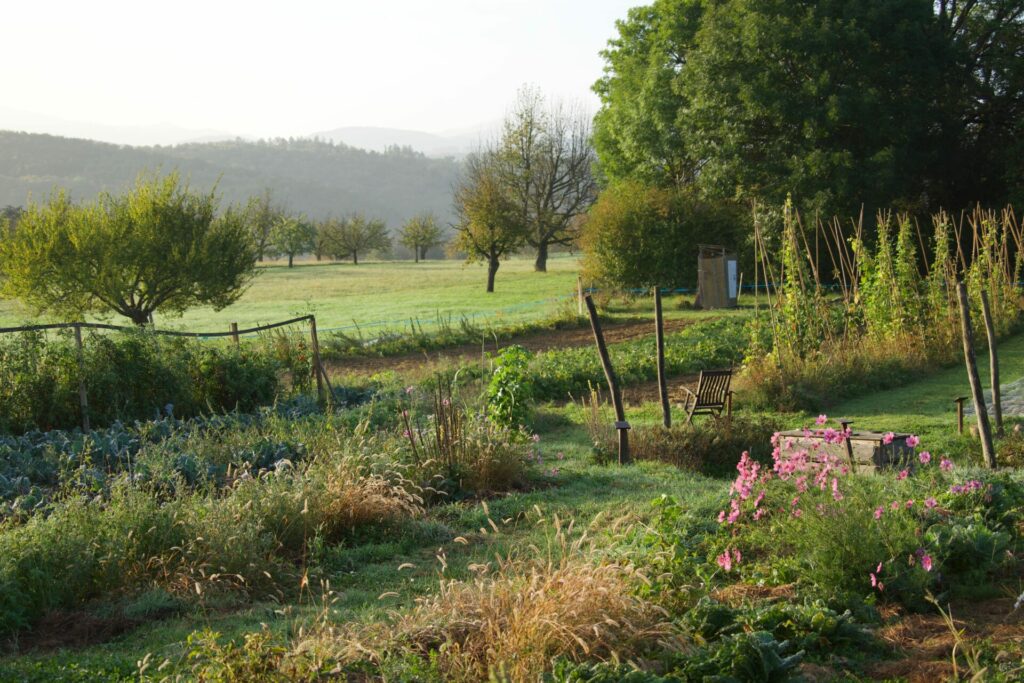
128, 376
510, 392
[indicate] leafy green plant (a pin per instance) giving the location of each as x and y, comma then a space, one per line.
510, 391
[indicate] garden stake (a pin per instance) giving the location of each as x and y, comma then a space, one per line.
234, 334
83, 399
613, 383
972, 375
317, 370
659, 335
959, 400
993, 363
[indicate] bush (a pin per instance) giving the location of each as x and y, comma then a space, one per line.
640, 236
128, 376
510, 392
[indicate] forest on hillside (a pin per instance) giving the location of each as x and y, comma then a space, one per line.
310, 176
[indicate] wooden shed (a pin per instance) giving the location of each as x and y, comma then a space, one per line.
717, 277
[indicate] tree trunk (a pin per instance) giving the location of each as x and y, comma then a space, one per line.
416, 254
291, 260
355, 258
541, 264
492, 269
140, 317
423, 253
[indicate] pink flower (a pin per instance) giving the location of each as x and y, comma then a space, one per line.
798, 513
725, 561
925, 457
887, 439
930, 502
910, 503
912, 441
926, 562
822, 419
946, 465
835, 489
721, 517
406, 434
902, 475
879, 511
895, 505
535, 437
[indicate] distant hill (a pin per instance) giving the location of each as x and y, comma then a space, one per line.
316, 177
454, 143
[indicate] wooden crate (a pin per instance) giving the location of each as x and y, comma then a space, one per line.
868, 452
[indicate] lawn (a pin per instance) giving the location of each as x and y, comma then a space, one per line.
373, 293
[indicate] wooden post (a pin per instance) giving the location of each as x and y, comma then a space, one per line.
83, 398
579, 295
845, 424
234, 333
613, 383
993, 363
984, 429
739, 290
959, 400
317, 370
659, 334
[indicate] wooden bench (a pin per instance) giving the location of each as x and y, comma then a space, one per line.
713, 394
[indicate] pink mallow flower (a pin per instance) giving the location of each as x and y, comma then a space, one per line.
727, 560
822, 419
925, 457
902, 475
926, 562
887, 439
879, 511
930, 502
946, 465
913, 441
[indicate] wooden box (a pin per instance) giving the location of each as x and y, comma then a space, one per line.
866, 450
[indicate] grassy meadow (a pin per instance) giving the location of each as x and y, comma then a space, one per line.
341, 294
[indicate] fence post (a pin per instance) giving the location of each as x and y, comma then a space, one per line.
984, 430
579, 295
659, 335
234, 334
317, 369
613, 383
83, 398
993, 363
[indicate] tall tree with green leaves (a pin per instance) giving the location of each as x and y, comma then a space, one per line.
878, 102
360, 234
420, 234
490, 223
158, 247
292, 236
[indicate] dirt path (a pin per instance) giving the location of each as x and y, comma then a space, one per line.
412, 363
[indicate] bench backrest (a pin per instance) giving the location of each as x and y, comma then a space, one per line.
713, 387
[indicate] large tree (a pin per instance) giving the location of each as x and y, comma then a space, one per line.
839, 103
262, 214
490, 221
544, 158
420, 234
292, 236
360, 234
158, 247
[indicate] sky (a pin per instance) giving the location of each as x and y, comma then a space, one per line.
294, 67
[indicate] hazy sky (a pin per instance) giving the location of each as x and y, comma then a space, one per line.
296, 66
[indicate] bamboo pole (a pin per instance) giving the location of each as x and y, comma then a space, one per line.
659, 333
984, 429
613, 383
317, 369
83, 398
993, 363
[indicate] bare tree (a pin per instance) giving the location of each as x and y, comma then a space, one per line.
545, 159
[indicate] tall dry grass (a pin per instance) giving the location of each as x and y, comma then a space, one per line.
513, 619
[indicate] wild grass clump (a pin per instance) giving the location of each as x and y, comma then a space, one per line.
456, 451
511, 621
251, 538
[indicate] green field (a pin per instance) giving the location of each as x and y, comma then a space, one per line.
392, 292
